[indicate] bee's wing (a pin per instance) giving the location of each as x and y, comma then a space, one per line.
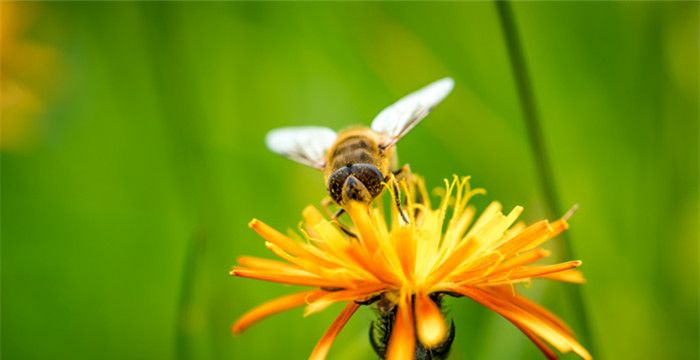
399, 118
304, 144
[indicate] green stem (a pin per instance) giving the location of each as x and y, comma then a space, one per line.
185, 307
542, 163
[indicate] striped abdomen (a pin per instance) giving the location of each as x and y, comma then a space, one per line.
354, 149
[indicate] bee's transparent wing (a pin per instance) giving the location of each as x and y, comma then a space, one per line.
399, 118
304, 144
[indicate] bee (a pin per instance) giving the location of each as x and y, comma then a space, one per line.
359, 161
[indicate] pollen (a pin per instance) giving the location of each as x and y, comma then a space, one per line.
443, 250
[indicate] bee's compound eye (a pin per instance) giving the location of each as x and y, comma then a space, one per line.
335, 183
370, 177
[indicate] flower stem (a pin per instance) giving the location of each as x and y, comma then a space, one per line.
542, 164
185, 307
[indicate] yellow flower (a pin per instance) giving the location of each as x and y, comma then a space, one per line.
406, 268
28, 72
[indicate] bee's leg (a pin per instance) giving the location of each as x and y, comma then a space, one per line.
397, 199
340, 225
326, 204
403, 173
337, 214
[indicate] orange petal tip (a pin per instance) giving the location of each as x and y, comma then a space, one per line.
253, 223
430, 323
570, 213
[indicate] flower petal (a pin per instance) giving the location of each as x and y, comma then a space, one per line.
359, 213
430, 324
529, 306
530, 237
266, 264
544, 348
297, 278
524, 259
572, 276
324, 345
405, 245
537, 271
538, 325
270, 234
272, 307
312, 217
523, 274
402, 341
334, 296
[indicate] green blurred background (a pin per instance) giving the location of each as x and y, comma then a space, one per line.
134, 159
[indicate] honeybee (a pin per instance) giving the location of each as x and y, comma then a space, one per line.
357, 162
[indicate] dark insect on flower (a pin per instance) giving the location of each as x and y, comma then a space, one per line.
404, 270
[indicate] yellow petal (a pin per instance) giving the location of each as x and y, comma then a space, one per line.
572, 276
312, 217
270, 234
541, 270
296, 278
530, 237
491, 210
523, 259
522, 317
342, 295
531, 307
544, 348
402, 341
406, 250
321, 349
272, 307
266, 264
359, 213
430, 323
492, 233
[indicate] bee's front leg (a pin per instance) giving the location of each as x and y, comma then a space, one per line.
340, 225
397, 197
326, 203
404, 173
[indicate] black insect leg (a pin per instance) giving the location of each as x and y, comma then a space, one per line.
403, 173
340, 225
397, 200
326, 204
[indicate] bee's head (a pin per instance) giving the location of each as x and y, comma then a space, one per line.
358, 182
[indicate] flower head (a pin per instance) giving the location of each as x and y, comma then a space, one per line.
405, 269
